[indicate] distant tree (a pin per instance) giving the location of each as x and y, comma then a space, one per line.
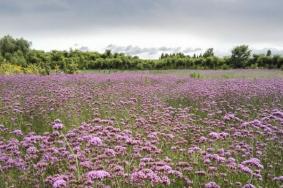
9, 45
208, 53
1, 59
18, 52
14, 50
23, 45
107, 54
181, 55
164, 56
240, 56
268, 53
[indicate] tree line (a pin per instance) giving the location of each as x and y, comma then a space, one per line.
18, 52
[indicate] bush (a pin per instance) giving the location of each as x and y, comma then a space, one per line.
195, 75
225, 67
254, 66
33, 69
8, 69
71, 68
140, 66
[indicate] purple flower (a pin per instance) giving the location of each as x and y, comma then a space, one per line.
59, 183
249, 186
211, 185
145, 174
202, 139
32, 150
165, 168
229, 116
279, 178
193, 149
245, 169
95, 141
2, 127
97, 175
110, 152
57, 125
254, 162
18, 132
165, 180
278, 114
214, 135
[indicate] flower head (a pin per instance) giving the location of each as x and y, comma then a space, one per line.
211, 185
249, 186
95, 141
97, 175
59, 183
57, 124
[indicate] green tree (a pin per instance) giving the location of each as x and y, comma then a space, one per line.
10, 45
107, 54
14, 50
208, 53
7, 45
268, 53
240, 56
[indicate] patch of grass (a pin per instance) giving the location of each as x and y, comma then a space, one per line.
195, 75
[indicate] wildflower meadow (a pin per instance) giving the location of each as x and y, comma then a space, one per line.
141, 129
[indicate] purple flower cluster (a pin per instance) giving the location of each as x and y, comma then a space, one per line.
211, 185
97, 175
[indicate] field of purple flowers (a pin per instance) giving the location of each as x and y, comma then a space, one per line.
140, 130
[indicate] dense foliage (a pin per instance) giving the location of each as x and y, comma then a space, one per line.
18, 52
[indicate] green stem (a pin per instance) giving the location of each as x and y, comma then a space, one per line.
76, 157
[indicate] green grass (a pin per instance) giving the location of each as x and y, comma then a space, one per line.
203, 74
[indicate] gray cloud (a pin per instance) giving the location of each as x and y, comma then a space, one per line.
274, 51
150, 52
84, 49
230, 21
156, 52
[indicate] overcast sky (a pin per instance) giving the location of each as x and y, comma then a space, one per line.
144, 27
